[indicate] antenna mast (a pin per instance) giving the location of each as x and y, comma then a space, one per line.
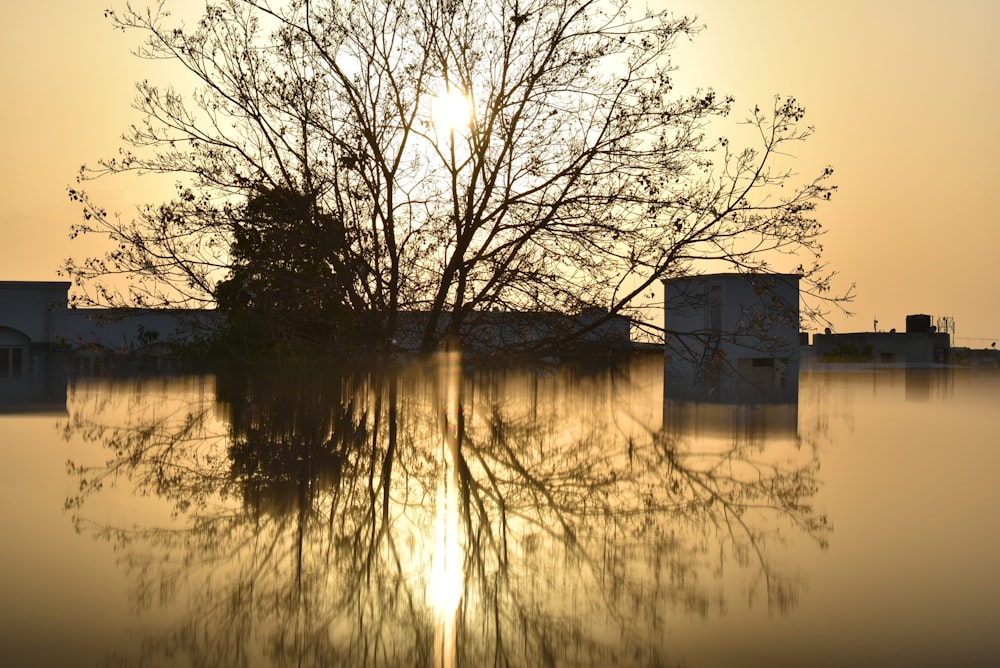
946, 324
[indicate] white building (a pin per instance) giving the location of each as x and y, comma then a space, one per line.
40, 335
732, 337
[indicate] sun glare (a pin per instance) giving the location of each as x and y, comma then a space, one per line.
451, 111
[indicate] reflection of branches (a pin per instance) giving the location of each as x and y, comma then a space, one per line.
172, 452
301, 511
305, 521
734, 492
633, 512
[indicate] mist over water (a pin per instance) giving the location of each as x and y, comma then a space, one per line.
548, 516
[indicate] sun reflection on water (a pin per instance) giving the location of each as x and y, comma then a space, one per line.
446, 582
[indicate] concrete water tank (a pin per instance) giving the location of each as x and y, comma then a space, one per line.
918, 324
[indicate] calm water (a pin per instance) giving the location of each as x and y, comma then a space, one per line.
549, 517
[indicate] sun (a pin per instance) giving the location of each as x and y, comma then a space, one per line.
452, 111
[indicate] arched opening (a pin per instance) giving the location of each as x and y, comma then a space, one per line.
92, 359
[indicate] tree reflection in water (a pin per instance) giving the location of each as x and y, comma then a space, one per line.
430, 516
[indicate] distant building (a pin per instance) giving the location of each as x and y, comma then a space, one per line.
38, 332
485, 331
40, 335
28, 324
732, 337
988, 358
920, 344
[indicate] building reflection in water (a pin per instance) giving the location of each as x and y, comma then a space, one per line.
435, 514
38, 393
926, 383
742, 405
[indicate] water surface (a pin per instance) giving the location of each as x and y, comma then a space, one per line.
552, 516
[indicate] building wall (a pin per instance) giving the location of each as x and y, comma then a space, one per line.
485, 331
732, 336
40, 335
28, 323
123, 330
31, 306
884, 347
34, 317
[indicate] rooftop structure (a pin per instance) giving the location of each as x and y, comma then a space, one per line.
920, 344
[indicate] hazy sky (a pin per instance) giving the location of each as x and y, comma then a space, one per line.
903, 93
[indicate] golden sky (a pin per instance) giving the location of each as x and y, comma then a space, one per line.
903, 93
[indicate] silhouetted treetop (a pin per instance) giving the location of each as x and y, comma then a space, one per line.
319, 166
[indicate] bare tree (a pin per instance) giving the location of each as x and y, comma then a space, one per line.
576, 177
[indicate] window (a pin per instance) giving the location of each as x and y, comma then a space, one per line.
10, 362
